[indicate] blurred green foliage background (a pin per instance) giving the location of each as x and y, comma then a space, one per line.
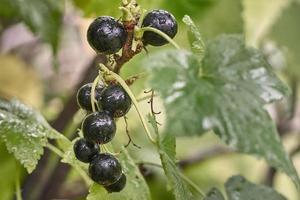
33, 43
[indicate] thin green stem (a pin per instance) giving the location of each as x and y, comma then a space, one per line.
105, 148
131, 95
81, 172
55, 150
143, 14
93, 100
18, 185
162, 34
62, 136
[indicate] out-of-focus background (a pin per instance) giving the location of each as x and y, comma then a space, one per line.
44, 66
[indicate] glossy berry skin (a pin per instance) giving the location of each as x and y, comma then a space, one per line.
106, 35
115, 100
84, 96
105, 169
99, 127
117, 186
85, 150
163, 21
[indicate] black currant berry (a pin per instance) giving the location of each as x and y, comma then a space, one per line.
117, 186
84, 96
163, 21
99, 127
115, 100
106, 35
105, 169
85, 150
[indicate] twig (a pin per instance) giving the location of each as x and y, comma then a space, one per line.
128, 135
127, 52
204, 155
151, 102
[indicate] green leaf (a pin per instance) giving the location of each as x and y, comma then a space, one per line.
226, 93
43, 17
167, 150
195, 38
136, 187
259, 16
238, 188
24, 132
214, 194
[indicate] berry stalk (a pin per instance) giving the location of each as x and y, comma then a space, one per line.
162, 34
82, 173
109, 75
93, 100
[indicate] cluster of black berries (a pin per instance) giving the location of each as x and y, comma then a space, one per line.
99, 128
107, 35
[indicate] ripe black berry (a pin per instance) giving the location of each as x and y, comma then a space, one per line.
85, 150
115, 100
117, 186
105, 169
106, 35
163, 21
99, 127
84, 96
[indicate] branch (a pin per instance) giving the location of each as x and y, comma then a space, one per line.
127, 52
204, 155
